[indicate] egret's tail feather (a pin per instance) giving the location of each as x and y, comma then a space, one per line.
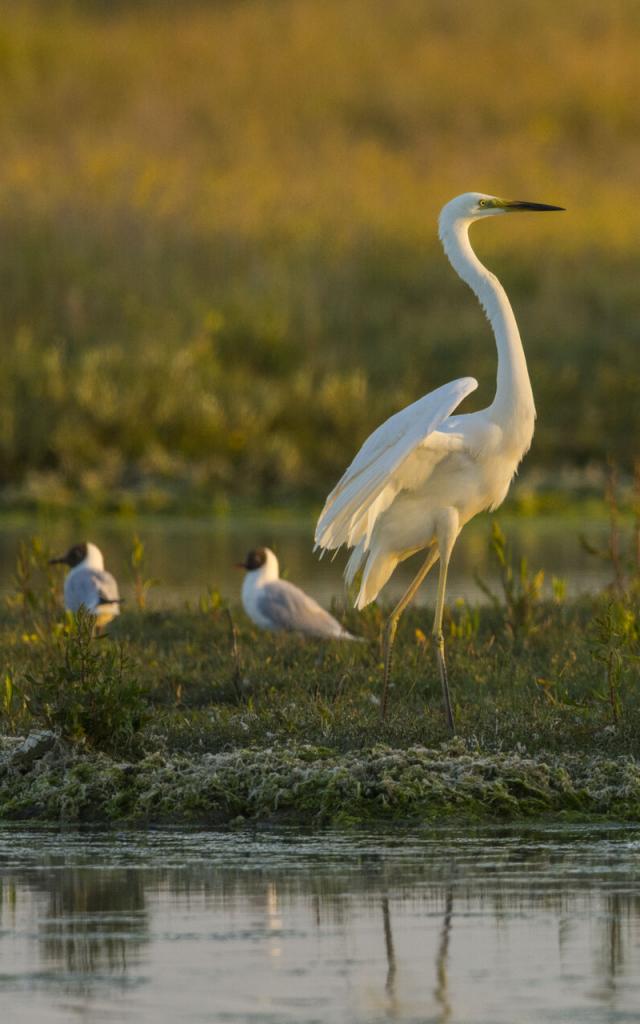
355, 561
354, 522
376, 574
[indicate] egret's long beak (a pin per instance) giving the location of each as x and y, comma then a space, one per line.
518, 205
58, 561
240, 565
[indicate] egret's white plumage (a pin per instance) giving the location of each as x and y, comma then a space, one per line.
426, 471
276, 604
88, 585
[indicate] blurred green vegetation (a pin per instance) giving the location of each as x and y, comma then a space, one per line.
218, 258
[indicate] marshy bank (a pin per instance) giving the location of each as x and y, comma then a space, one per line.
190, 715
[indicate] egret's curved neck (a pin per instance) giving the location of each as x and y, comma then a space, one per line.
513, 404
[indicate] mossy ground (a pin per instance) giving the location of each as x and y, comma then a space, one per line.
310, 785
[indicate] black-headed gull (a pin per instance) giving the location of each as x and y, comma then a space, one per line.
276, 604
88, 585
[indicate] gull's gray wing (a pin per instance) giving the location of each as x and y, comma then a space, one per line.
107, 587
285, 606
91, 589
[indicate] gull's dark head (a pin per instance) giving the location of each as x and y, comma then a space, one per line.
256, 558
73, 557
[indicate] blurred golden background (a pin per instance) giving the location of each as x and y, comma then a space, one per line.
219, 262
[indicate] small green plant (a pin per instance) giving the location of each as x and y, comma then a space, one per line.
464, 621
85, 689
37, 592
636, 519
558, 589
211, 602
235, 656
15, 704
622, 557
521, 588
141, 582
615, 645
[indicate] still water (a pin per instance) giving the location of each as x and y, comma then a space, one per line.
491, 926
185, 557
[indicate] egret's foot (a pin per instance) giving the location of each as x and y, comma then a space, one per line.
444, 680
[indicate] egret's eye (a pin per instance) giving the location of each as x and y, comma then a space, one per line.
483, 202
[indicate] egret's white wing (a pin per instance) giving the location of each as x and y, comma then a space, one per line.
90, 588
374, 477
285, 606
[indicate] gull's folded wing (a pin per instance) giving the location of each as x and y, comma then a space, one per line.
288, 607
90, 588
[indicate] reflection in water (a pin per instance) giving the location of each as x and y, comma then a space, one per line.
283, 927
618, 909
391, 956
274, 920
615, 957
442, 989
94, 920
88, 923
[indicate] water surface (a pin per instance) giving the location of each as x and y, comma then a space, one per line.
188, 556
484, 926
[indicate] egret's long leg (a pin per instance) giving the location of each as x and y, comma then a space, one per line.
448, 529
392, 624
439, 638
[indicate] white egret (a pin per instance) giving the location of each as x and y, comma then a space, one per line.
424, 473
278, 605
88, 585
